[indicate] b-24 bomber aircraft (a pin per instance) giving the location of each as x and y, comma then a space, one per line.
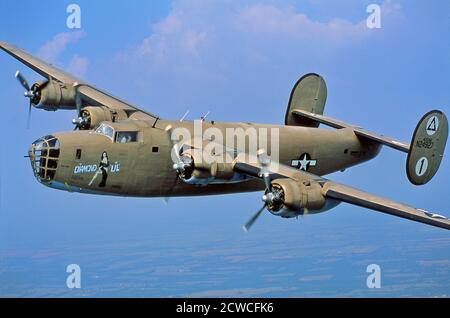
120, 149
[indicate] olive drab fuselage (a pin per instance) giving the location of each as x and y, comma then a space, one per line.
143, 167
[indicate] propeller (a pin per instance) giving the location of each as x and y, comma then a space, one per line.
270, 199
181, 163
28, 93
83, 121
33, 93
269, 196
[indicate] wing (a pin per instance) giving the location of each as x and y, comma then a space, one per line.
329, 189
89, 94
366, 200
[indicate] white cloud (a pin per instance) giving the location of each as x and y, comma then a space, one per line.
52, 49
286, 21
195, 30
270, 20
77, 65
175, 33
390, 8
203, 49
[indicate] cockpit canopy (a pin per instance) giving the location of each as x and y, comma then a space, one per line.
106, 130
119, 133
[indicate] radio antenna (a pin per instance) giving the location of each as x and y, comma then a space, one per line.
204, 116
184, 116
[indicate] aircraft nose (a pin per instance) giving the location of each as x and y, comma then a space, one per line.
44, 155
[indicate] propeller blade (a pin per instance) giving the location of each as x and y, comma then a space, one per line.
78, 104
177, 151
44, 85
173, 144
78, 101
168, 194
252, 220
264, 160
268, 181
22, 81
29, 115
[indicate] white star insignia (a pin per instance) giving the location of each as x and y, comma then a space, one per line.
304, 163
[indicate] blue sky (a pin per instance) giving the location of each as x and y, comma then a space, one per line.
239, 60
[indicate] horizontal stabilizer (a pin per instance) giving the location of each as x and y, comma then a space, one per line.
328, 121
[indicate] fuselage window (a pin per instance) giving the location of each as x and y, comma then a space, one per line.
105, 130
126, 136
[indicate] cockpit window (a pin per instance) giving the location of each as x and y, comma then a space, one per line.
126, 136
106, 130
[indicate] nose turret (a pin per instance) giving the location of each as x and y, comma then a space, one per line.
44, 155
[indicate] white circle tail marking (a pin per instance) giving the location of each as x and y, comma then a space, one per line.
432, 125
421, 166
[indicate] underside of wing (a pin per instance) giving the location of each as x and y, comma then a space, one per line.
363, 199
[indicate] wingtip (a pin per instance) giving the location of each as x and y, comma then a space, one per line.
5, 46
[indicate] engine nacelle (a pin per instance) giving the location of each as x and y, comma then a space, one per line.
297, 198
208, 169
53, 95
92, 116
